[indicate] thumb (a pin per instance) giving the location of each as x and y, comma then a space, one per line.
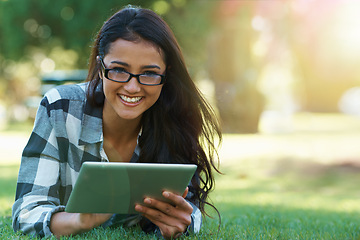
185, 192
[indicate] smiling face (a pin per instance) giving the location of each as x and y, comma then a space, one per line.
131, 99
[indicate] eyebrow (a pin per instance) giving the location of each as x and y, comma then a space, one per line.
127, 65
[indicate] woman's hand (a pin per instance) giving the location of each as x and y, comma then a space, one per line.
172, 219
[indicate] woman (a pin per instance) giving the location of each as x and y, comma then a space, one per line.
139, 104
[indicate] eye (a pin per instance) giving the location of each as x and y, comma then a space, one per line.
150, 73
118, 70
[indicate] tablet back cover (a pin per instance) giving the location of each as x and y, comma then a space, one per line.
115, 187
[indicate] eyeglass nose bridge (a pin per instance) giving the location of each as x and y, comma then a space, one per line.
136, 76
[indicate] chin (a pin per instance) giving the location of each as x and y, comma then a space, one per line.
129, 116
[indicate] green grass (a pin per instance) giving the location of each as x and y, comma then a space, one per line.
290, 205
262, 194
286, 205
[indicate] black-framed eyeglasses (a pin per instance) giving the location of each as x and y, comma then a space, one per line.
122, 76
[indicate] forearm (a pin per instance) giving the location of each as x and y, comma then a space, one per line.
65, 224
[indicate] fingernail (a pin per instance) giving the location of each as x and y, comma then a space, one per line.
147, 201
138, 208
166, 194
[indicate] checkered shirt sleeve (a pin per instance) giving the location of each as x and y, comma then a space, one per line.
51, 160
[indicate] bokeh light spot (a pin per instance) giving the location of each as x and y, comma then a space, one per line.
161, 7
67, 13
47, 65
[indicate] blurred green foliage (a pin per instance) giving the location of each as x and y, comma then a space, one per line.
28, 24
38, 37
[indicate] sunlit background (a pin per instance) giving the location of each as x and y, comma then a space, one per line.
258, 62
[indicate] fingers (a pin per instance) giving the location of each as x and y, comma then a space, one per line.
172, 218
169, 226
179, 208
177, 201
160, 218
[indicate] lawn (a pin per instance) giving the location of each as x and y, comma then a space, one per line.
299, 185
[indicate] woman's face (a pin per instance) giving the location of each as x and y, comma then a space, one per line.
131, 99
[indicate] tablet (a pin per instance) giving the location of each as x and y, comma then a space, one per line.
108, 187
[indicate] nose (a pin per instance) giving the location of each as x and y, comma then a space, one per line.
132, 86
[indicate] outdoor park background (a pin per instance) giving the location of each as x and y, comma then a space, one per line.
283, 76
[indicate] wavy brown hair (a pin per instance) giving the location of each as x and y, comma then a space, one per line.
181, 126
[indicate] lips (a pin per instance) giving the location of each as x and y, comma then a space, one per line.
130, 99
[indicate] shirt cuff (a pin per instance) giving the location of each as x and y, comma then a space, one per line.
46, 224
196, 220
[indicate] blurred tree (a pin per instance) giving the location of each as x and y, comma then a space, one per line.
234, 69
193, 23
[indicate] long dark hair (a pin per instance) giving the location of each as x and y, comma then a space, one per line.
181, 126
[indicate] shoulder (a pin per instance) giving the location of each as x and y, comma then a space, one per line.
72, 92
65, 98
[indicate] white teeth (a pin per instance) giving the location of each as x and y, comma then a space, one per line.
129, 99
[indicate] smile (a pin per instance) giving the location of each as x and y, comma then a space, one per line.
130, 99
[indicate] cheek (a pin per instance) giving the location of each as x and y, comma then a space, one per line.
108, 87
153, 95
157, 93
105, 87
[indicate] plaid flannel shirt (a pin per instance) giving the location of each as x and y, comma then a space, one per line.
67, 132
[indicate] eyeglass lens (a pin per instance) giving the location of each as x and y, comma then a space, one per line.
123, 76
